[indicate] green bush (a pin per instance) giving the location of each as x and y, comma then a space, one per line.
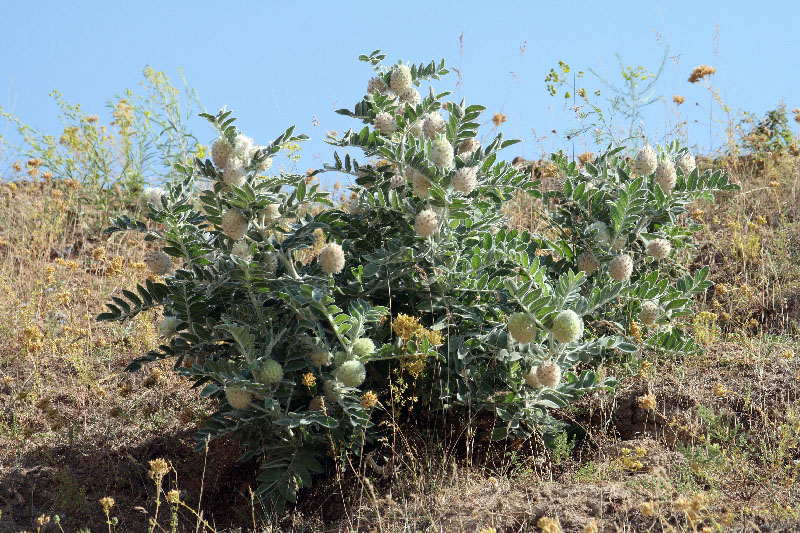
421, 281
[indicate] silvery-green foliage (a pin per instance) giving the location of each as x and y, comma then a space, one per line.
237, 315
635, 211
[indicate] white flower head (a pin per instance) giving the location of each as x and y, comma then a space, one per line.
319, 356
532, 380
465, 179
243, 147
238, 398
271, 213
416, 129
331, 259
425, 223
659, 248
588, 263
269, 373
666, 177
522, 328
601, 233
376, 84
645, 161
363, 346
687, 163
567, 326
409, 95
619, 243
549, 374
168, 326
468, 146
421, 184
649, 312
433, 124
152, 195
234, 224
621, 267
158, 262
242, 249
385, 123
442, 153
220, 152
352, 373
401, 78
235, 172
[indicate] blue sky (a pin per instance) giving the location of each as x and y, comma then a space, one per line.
283, 63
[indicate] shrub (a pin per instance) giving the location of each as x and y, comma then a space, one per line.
420, 282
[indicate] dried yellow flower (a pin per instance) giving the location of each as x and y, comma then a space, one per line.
158, 469
174, 497
678, 99
647, 402
107, 503
648, 508
548, 525
701, 72
498, 118
368, 400
309, 379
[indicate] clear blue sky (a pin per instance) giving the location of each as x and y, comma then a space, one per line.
282, 63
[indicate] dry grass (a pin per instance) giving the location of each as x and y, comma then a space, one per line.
718, 449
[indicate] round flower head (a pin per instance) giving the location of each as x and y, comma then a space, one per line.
243, 147
588, 263
549, 374
465, 180
376, 84
567, 326
158, 262
397, 181
385, 123
649, 313
468, 146
401, 78
619, 243
152, 195
601, 233
416, 129
319, 356
659, 248
687, 163
351, 373
269, 373
242, 249
264, 165
442, 153
363, 346
317, 404
234, 224
271, 263
621, 267
645, 161
238, 398
331, 259
433, 124
521, 328
168, 326
220, 152
425, 223
234, 172
339, 358
421, 184
330, 390
666, 177
271, 213
410, 96
532, 380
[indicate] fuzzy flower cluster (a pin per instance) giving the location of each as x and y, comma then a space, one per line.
385, 123
234, 224
686, 163
158, 262
234, 158
567, 326
666, 177
152, 196
549, 374
442, 153
645, 162
401, 78
425, 223
351, 373
468, 146
522, 328
238, 398
588, 263
621, 267
331, 259
659, 248
649, 313
420, 183
269, 373
168, 326
363, 347
433, 124
465, 179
